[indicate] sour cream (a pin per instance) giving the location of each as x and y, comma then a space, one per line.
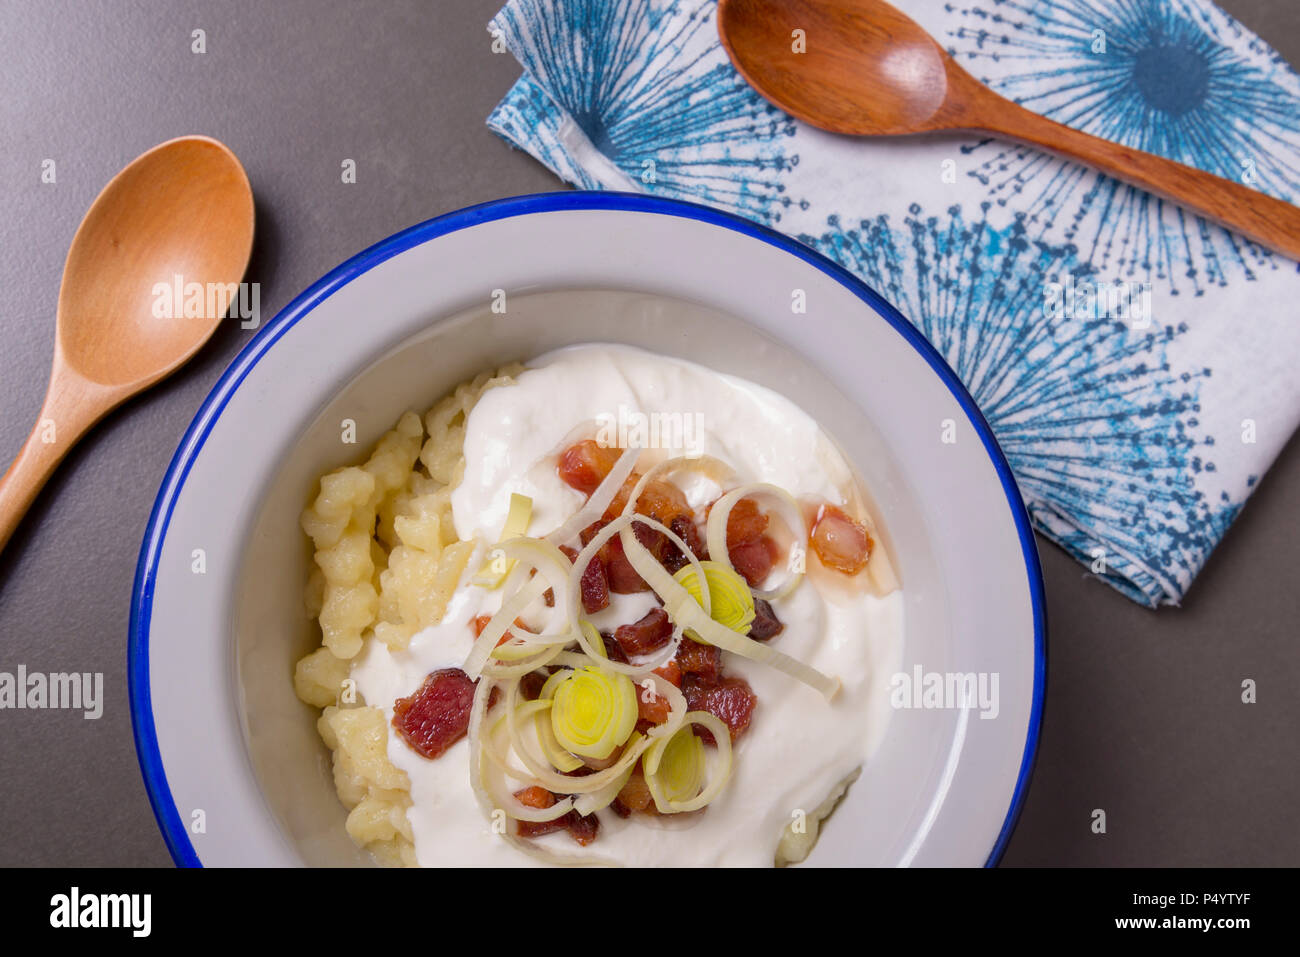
798, 747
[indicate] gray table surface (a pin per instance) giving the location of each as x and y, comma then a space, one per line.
1143, 718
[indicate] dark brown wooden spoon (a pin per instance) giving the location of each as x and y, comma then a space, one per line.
867, 69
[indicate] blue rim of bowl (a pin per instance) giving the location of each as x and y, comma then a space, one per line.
174, 831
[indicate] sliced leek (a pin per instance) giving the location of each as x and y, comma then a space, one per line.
593, 712
729, 595
586, 637
547, 777
594, 801
552, 571
551, 749
715, 534
496, 628
674, 767
678, 774
714, 469
595, 642
487, 780
683, 609
503, 671
498, 565
545, 562
599, 500
587, 708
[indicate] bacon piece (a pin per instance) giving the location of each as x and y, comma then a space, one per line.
754, 560
612, 648
538, 797
702, 661
622, 577
593, 585
636, 795
666, 504
584, 466
654, 541
535, 797
581, 829
437, 715
731, 700
752, 553
652, 631
652, 708
538, 828
660, 500
765, 625
584, 830
672, 673
745, 523
840, 542
530, 685
683, 526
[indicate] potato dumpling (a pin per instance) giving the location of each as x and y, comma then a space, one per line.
386, 563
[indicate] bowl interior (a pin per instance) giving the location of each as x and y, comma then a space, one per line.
272, 630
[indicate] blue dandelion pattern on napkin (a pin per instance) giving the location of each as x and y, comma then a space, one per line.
1101, 418
669, 120
1125, 459
1152, 75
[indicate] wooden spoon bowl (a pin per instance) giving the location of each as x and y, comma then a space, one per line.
883, 75
182, 209
863, 68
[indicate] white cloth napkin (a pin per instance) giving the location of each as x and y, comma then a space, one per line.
1136, 363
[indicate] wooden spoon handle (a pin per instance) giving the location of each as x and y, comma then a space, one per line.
71, 407
1235, 206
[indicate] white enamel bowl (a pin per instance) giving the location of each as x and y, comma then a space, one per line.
231, 759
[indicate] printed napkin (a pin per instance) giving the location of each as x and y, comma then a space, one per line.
1135, 362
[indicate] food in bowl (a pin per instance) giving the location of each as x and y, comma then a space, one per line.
611, 607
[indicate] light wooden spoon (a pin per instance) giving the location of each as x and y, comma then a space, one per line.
185, 209
868, 69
